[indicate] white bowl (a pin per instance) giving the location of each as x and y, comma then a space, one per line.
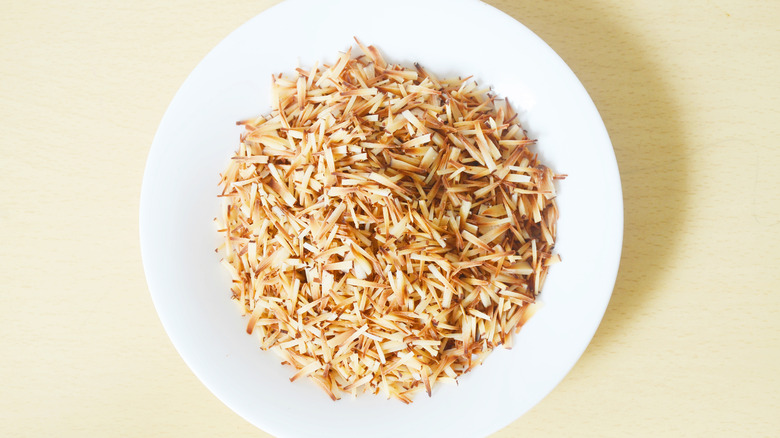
198, 134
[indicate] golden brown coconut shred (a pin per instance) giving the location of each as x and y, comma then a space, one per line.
385, 229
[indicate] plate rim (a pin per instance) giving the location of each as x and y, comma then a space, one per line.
144, 214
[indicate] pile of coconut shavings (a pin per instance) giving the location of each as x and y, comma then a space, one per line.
385, 229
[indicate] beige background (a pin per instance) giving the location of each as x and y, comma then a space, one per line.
689, 92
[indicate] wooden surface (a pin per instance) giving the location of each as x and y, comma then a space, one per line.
689, 92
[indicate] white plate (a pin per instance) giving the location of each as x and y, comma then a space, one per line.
198, 134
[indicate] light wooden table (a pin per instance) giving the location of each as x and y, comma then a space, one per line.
689, 91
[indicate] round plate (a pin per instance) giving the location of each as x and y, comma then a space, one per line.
198, 134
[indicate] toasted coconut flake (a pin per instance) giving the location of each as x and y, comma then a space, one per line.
385, 230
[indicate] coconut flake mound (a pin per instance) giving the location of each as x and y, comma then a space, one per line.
385, 229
